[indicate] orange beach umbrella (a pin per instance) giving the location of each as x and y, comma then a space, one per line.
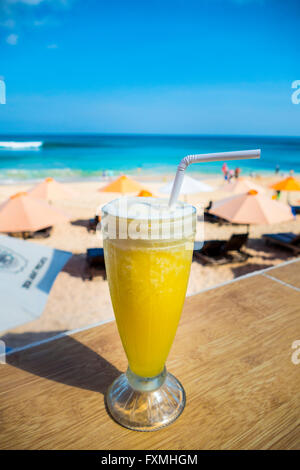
288, 184
252, 208
122, 185
50, 190
24, 213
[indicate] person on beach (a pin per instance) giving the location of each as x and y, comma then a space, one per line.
277, 169
237, 172
230, 175
225, 171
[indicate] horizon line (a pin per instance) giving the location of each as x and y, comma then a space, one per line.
150, 134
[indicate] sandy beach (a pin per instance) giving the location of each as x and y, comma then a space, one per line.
75, 303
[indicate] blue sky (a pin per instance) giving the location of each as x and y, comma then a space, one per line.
167, 66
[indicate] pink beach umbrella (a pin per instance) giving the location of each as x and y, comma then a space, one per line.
242, 185
252, 208
50, 190
24, 213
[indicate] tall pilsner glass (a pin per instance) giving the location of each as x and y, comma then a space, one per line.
148, 251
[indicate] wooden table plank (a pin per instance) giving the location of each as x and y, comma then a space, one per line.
232, 352
290, 273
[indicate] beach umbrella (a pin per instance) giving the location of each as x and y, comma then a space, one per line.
27, 273
25, 213
145, 193
252, 208
49, 189
242, 185
189, 186
122, 185
288, 184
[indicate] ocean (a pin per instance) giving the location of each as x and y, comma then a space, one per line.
72, 157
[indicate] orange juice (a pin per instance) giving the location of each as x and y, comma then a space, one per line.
148, 280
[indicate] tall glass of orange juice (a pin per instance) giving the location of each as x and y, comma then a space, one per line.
148, 251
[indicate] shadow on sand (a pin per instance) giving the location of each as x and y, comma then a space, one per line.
77, 266
268, 252
80, 222
248, 268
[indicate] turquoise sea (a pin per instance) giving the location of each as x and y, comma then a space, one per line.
72, 157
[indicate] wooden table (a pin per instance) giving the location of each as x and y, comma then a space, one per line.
232, 352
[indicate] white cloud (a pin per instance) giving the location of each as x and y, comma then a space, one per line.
12, 39
19, 15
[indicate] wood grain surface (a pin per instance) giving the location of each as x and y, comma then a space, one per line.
290, 273
232, 353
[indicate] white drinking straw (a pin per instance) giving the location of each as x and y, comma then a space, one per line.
206, 157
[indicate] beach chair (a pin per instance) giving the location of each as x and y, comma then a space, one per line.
233, 247
287, 240
214, 219
208, 217
295, 209
211, 252
23, 235
222, 251
43, 233
95, 264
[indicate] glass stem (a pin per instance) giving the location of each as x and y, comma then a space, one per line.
146, 384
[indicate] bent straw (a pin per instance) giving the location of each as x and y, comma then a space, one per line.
206, 157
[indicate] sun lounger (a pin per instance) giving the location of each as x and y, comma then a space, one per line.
210, 217
295, 209
214, 219
222, 251
233, 247
95, 264
288, 240
212, 252
43, 233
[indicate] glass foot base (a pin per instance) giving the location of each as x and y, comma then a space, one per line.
145, 404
